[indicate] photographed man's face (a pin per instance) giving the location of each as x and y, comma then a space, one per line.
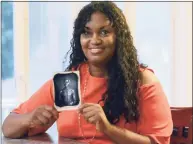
67, 82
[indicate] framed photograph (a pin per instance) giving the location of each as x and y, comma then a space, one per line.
67, 90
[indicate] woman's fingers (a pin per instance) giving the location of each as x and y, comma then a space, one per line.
35, 122
52, 110
43, 120
47, 114
93, 119
55, 113
87, 107
90, 114
94, 114
43, 115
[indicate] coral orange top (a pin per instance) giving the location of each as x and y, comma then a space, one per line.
155, 116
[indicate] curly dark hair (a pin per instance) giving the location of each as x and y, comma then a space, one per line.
123, 69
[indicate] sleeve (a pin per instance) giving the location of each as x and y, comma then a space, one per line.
155, 115
43, 96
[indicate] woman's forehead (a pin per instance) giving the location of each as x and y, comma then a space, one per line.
98, 17
98, 20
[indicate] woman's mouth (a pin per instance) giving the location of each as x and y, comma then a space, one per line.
96, 50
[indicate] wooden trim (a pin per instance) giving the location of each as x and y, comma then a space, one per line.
21, 48
181, 54
173, 62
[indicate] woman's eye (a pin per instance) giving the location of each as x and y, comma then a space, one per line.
86, 33
104, 32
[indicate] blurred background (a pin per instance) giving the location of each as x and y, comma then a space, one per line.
36, 36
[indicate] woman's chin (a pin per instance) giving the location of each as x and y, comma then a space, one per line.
97, 61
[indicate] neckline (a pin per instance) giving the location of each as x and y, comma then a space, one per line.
86, 71
103, 79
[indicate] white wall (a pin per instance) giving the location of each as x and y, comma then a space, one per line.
162, 34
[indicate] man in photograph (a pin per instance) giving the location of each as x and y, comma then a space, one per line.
67, 94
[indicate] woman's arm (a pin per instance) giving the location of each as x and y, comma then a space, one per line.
93, 113
17, 124
124, 136
154, 124
40, 119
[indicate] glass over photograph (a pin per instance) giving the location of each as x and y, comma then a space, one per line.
66, 90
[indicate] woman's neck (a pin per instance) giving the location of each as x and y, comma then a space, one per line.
98, 71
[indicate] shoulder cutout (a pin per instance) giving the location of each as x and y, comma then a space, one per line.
148, 77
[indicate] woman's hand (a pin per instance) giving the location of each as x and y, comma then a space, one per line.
43, 115
94, 114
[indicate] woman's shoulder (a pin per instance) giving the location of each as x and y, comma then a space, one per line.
150, 86
147, 77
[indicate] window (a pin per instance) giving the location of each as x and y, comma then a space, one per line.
7, 41
50, 34
162, 33
14, 54
36, 36
8, 81
154, 39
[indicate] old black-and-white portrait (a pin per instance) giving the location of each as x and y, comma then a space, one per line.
66, 90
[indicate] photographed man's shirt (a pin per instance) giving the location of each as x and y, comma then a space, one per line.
68, 96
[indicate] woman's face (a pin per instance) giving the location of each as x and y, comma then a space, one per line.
98, 39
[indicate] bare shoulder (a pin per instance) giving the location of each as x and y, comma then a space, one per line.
148, 77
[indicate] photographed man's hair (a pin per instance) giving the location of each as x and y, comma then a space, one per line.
123, 69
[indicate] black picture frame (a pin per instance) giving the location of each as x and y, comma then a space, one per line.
67, 90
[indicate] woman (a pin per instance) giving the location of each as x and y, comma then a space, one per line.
123, 102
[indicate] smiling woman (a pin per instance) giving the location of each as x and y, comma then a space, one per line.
122, 101
98, 39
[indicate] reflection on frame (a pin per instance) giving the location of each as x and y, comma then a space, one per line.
66, 90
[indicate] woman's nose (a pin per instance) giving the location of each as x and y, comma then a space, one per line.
96, 40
